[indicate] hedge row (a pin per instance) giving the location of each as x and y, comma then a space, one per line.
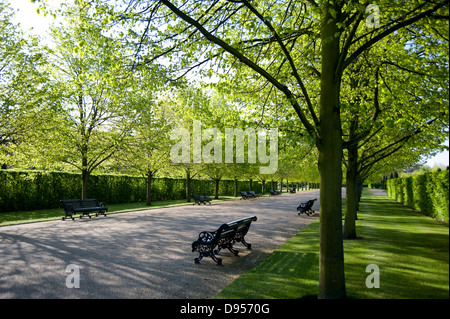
28, 190
427, 193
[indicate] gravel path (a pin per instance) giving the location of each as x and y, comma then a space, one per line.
144, 254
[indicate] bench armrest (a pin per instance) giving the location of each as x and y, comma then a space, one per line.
206, 236
204, 242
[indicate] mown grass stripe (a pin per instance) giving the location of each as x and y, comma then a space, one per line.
411, 251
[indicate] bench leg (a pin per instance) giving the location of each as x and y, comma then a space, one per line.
102, 212
233, 251
70, 215
216, 259
210, 254
249, 246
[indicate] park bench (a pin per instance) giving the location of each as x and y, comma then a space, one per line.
252, 193
306, 207
244, 195
209, 243
83, 207
197, 199
292, 190
274, 192
201, 199
205, 199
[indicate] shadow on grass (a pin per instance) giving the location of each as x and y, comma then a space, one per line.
290, 272
282, 275
411, 251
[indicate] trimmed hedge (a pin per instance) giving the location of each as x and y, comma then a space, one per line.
29, 190
427, 193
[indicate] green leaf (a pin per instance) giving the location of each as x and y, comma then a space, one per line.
333, 13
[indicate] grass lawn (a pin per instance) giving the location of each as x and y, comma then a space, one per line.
411, 251
20, 217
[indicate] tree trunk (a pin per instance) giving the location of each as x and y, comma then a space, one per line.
329, 144
351, 205
360, 189
235, 187
149, 189
216, 193
188, 186
84, 174
85, 181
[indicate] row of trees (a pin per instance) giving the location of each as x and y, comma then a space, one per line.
347, 85
92, 109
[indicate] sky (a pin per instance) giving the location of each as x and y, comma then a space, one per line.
29, 18
440, 159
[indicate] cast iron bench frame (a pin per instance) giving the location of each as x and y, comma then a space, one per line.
248, 195
201, 199
306, 207
252, 193
209, 243
83, 207
205, 198
244, 195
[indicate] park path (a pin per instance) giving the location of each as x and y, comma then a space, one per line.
379, 192
142, 254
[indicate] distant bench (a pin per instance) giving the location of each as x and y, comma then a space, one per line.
209, 243
249, 194
83, 207
274, 192
201, 199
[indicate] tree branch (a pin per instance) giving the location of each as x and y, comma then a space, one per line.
288, 57
387, 32
228, 48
